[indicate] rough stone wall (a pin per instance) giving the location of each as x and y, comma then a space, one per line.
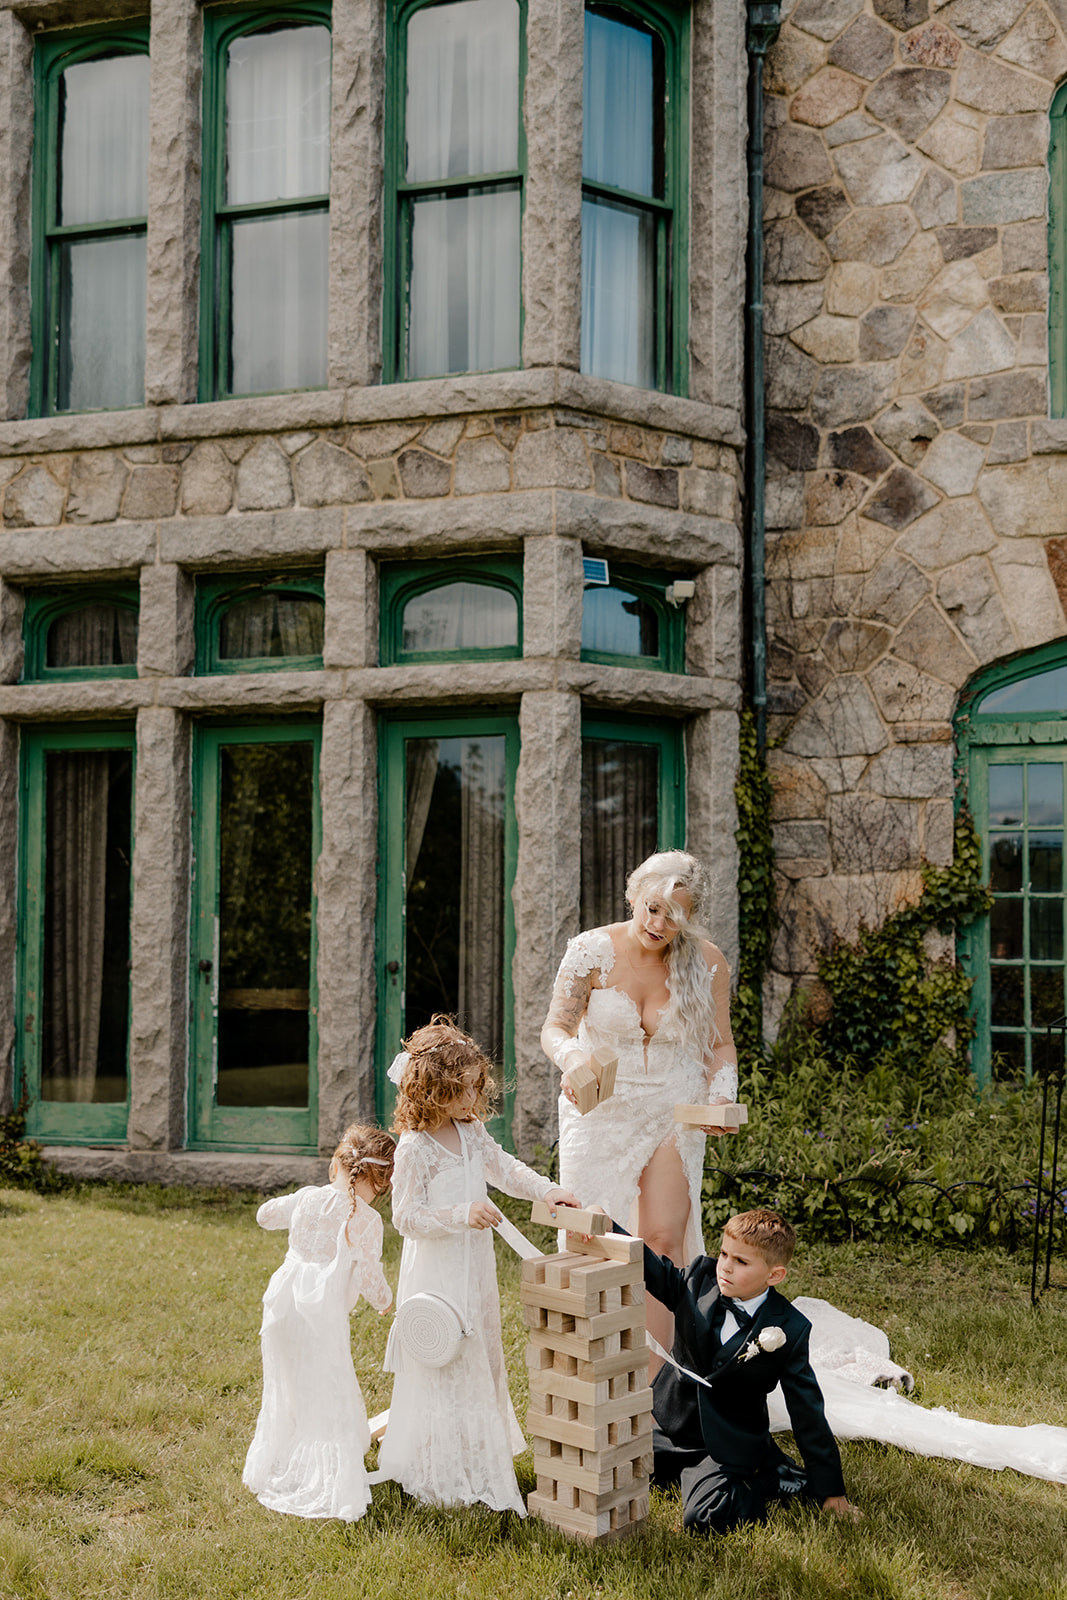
915, 485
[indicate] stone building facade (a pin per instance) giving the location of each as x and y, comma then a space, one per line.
156, 502
915, 474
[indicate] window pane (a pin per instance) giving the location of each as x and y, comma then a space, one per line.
278, 115
463, 89
1009, 1056
1005, 795
104, 140
1046, 863
1006, 863
1044, 794
461, 616
464, 291
1046, 930
94, 636
619, 623
620, 822
101, 324
1046, 996
265, 842
1045, 691
454, 871
279, 300
619, 293
272, 625
1006, 996
1006, 930
619, 138
84, 1028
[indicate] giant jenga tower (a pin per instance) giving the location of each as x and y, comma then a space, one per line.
590, 1404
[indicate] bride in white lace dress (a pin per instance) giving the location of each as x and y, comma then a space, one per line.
656, 991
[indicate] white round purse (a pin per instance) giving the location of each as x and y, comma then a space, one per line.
430, 1329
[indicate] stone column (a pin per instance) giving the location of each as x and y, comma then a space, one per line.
546, 892
552, 221
552, 599
159, 932
165, 642
12, 606
711, 772
351, 612
346, 884
356, 177
9, 829
16, 149
174, 160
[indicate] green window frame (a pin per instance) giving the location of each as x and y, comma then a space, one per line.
401, 582
1015, 956
49, 291
223, 25
1057, 252
390, 941
66, 1122
670, 619
211, 1126
668, 211
401, 195
666, 738
46, 606
215, 596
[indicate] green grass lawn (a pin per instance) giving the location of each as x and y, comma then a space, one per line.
129, 1386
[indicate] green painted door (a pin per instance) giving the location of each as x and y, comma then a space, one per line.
256, 842
76, 847
448, 849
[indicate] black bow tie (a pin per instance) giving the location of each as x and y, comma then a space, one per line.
743, 1318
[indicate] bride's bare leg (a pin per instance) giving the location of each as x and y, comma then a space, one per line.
663, 1213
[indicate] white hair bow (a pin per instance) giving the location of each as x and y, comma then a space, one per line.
397, 1067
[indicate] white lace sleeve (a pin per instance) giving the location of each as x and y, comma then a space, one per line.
720, 1058
505, 1171
368, 1279
413, 1215
590, 952
278, 1213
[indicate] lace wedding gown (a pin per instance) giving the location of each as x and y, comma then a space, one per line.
848, 1355
307, 1454
603, 1154
452, 1431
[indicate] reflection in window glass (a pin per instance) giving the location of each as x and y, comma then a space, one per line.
1044, 794
1006, 863
269, 625
1006, 996
460, 616
620, 822
93, 636
1005, 795
84, 1027
616, 622
1044, 692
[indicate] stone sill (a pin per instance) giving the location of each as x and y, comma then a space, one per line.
190, 1168
392, 402
451, 683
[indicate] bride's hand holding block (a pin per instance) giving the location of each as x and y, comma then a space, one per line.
712, 1119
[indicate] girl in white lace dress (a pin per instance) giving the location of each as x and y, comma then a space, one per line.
452, 1431
312, 1434
656, 991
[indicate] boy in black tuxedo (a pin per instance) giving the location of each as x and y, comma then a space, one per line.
736, 1332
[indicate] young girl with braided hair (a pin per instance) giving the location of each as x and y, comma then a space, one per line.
452, 1433
307, 1455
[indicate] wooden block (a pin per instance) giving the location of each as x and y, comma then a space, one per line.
605, 1274
630, 1406
378, 1426
569, 1217
609, 1247
574, 1301
605, 1064
584, 1391
625, 1361
728, 1116
533, 1270
584, 1087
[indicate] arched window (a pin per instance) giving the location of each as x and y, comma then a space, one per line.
266, 200
441, 611
86, 633
629, 623
90, 216
1012, 730
455, 169
634, 157
257, 624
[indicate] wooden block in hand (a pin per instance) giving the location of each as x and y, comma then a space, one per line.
604, 1063
378, 1426
728, 1116
584, 1087
570, 1218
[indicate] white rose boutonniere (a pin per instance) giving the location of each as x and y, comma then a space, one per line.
767, 1340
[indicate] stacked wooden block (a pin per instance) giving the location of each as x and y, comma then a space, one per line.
590, 1410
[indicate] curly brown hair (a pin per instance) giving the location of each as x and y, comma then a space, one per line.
443, 1061
364, 1154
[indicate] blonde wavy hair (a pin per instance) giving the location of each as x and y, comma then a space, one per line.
442, 1061
690, 1011
364, 1153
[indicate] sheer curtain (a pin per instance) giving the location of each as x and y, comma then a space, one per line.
481, 904
94, 636
620, 822
104, 141
75, 913
461, 616
462, 119
271, 625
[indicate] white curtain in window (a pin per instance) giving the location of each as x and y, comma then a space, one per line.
271, 625
617, 119
278, 115
102, 324
93, 636
618, 293
104, 140
280, 296
462, 89
461, 616
463, 300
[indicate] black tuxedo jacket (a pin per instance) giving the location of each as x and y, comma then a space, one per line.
729, 1421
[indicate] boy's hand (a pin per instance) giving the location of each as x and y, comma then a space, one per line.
841, 1506
482, 1214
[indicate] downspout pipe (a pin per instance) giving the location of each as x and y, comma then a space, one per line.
763, 20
